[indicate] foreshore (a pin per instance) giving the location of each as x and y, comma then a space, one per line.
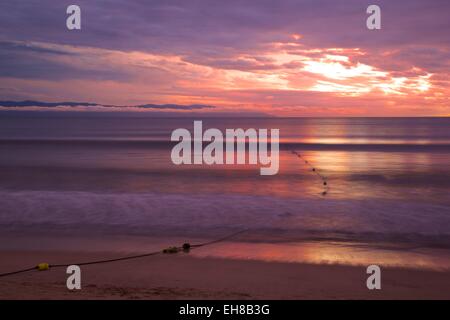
181, 276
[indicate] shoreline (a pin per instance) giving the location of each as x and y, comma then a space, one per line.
181, 276
245, 246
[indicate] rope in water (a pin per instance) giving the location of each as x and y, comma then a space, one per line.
314, 170
185, 247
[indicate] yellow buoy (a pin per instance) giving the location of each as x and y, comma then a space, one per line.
43, 266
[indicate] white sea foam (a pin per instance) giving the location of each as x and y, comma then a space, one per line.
154, 210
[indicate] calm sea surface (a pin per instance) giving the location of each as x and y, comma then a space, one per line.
389, 182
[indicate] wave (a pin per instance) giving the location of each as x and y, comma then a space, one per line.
271, 218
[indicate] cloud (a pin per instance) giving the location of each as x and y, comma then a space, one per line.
234, 54
32, 60
189, 27
174, 106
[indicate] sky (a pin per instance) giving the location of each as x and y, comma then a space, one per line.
279, 58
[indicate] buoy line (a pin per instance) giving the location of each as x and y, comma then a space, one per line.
186, 247
324, 179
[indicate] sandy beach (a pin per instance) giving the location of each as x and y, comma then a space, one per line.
180, 276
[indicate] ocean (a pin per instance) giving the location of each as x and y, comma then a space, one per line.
110, 176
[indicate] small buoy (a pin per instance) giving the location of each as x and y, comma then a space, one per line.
324, 183
186, 246
43, 266
313, 169
171, 250
324, 193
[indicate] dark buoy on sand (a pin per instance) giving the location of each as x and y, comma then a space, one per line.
186, 247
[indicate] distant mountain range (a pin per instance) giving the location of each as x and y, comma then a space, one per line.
31, 103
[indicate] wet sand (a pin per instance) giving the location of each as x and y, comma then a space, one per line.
182, 276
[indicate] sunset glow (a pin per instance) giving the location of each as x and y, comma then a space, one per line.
293, 71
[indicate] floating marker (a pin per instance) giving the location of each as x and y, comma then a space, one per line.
325, 184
